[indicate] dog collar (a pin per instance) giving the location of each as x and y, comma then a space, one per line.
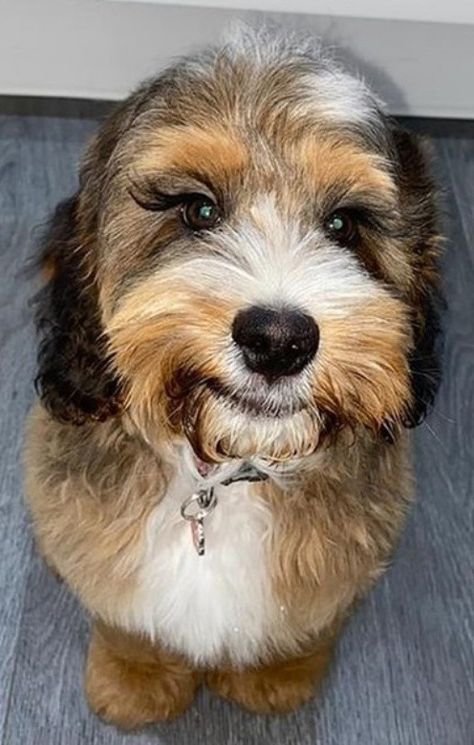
204, 501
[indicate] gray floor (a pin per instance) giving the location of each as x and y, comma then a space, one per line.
404, 673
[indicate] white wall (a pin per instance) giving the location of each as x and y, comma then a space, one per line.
436, 11
102, 48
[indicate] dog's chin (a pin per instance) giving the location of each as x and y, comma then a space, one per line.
224, 424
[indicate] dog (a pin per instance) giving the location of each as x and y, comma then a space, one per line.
238, 329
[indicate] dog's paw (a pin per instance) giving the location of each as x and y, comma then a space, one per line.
279, 687
262, 693
132, 695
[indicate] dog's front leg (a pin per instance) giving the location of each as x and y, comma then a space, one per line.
131, 682
278, 687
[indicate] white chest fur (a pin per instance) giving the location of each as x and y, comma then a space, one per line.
212, 605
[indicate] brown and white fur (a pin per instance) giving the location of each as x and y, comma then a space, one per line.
141, 380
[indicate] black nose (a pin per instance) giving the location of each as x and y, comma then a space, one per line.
275, 342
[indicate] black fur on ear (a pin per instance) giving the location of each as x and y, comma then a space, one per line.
74, 380
425, 360
419, 209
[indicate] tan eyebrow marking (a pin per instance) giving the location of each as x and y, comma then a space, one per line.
214, 154
331, 163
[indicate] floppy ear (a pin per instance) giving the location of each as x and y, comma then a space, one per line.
425, 360
74, 380
420, 214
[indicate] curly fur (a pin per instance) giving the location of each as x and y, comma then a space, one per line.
136, 347
74, 380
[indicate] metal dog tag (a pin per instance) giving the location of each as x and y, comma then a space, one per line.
199, 538
198, 506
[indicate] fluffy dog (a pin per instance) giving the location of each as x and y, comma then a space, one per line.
238, 328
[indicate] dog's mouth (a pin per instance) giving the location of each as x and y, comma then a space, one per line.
258, 399
269, 422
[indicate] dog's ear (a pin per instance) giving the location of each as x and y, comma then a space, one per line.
425, 359
74, 380
418, 202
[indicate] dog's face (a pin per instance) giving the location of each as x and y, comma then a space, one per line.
251, 262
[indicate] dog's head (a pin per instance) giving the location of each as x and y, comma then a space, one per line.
250, 261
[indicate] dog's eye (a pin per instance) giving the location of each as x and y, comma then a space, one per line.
200, 213
342, 227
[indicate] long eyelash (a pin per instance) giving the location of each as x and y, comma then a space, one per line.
156, 201
153, 200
